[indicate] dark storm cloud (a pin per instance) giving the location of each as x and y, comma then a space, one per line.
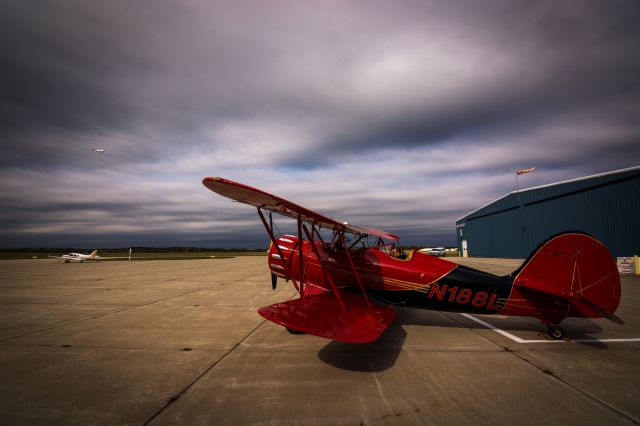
332, 104
60, 67
124, 67
566, 60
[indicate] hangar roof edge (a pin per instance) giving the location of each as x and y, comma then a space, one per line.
564, 182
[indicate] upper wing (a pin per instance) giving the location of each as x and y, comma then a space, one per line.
255, 197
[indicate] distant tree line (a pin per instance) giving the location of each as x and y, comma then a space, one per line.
126, 250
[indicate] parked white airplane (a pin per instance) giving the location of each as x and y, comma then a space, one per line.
98, 150
79, 257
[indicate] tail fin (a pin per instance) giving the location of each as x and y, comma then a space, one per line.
576, 268
93, 254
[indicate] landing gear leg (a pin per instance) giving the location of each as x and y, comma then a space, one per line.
556, 332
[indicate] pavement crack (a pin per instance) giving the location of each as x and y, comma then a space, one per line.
183, 391
128, 308
550, 374
67, 323
379, 387
594, 398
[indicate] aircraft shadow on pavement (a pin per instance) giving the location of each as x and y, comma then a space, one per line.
383, 353
369, 357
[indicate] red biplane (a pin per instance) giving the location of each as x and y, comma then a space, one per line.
348, 279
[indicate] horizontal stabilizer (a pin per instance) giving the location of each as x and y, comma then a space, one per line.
322, 315
599, 309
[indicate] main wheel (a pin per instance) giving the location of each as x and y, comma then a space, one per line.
556, 332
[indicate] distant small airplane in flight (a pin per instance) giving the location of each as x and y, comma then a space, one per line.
98, 150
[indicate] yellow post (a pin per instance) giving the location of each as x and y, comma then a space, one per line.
637, 265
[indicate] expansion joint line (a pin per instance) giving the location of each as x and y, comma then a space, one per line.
550, 373
117, 311
577, 389
182, 392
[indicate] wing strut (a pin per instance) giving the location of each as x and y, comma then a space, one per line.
301, 265
316, 232
355, 272
275, 244
327, 277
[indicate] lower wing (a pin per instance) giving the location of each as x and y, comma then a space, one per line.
322, 315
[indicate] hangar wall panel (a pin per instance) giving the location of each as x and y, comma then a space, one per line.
606, 206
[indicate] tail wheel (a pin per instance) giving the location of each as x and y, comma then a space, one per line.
294, 331
556, 332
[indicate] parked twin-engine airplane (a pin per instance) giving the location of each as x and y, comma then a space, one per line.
347, 281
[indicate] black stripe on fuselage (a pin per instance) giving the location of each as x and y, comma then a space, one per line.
462, 290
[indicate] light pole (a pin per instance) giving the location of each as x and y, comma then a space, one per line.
521, 209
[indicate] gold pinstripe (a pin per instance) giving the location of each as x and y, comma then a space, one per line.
409, 285
393, 281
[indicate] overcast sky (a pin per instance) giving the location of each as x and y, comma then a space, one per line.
403, 115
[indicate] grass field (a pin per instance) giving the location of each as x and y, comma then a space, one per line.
142, 256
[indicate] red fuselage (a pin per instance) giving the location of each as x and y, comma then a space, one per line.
427, 282
419, 280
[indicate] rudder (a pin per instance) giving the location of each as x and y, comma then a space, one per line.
575, 269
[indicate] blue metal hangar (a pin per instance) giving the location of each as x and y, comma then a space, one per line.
606, 206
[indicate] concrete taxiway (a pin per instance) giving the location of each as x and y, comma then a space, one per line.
166, 342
